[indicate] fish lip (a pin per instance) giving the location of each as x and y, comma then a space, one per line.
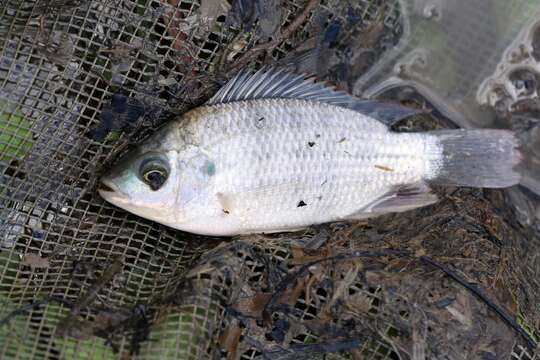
105, 188
108, 190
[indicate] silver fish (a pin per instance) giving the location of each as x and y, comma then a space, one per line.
274, 151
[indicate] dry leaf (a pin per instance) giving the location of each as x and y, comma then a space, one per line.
342, 286
229, 339
297, 251
253, 306
212, 9
359, 303
420, 252
297, 290
35, 261
461, 310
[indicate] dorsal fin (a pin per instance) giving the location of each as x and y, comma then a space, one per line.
272, 83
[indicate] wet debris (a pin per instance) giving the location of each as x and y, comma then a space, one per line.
332, 32
86, 319
384, 168
56, 46
524, 84
47, 7
35, 261
483, 297
22, 310
71, 326
268, 46
536, 43
121, 113
264, 15
210, 10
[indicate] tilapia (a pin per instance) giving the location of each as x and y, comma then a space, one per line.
274, 151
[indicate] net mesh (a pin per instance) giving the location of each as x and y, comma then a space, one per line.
80, 81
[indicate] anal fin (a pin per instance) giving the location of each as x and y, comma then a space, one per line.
403, 198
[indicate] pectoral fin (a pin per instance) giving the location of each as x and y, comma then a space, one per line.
403, 198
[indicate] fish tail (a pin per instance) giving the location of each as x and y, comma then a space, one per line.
476, 158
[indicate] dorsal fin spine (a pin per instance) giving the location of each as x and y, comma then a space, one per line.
274, 83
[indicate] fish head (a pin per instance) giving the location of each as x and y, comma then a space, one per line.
143, 182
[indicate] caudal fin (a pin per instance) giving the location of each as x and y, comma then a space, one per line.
477, 158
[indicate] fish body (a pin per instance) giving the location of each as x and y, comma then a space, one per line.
248, 163
281, 164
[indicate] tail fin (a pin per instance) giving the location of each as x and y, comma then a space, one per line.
477, 158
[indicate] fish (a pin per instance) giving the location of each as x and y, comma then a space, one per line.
274, 151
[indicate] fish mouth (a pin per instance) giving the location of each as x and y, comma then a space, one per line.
104, 188
108, 190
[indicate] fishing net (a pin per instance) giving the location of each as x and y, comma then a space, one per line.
82, 81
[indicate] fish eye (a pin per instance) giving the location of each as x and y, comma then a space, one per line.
154, 172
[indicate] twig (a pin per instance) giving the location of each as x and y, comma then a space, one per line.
484, 298
28, 307
330, 346
284, 35
91, 294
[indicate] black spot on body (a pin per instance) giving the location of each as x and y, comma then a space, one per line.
260, 123
301, 203
311, 144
